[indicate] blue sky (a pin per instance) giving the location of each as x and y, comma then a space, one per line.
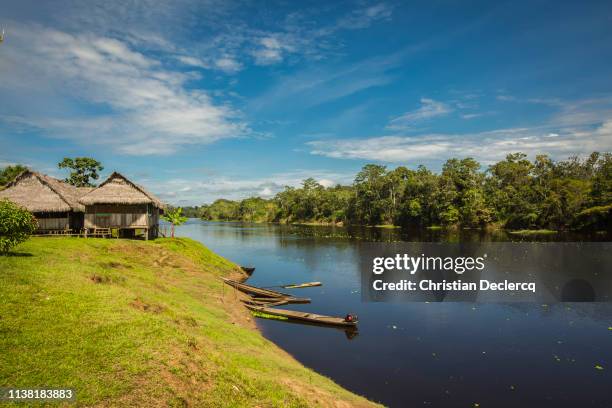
206, 99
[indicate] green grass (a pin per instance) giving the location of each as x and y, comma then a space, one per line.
134, 323
533, 232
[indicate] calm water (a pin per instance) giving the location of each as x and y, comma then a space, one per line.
423, 354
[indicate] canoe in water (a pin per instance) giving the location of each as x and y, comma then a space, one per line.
262, 294
253, 290
307, 317
302, 285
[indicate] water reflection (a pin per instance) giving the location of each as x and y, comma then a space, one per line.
431, 354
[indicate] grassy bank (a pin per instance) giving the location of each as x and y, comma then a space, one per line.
142, 324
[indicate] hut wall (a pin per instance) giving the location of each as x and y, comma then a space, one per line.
116, 216
52, 221
153, 222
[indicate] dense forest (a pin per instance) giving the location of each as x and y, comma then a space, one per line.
514, 193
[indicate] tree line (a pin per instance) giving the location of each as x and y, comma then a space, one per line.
514, 193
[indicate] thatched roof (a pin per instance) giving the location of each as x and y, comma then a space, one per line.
117, 189
37, 192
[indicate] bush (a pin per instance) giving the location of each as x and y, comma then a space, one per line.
598, 218
16, 225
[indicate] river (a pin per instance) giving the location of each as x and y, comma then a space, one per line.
431, 354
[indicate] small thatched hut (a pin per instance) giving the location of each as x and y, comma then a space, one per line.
121, 204
55, 204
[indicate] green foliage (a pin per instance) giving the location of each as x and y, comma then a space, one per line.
83, 170
221, 210
175, 217
595, 218
16, 225
9, 173
515, 193
192, 212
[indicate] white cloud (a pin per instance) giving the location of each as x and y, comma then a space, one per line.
266, 192
192, 61
326, 182
197, 191
124, 99
297, 36
485, 146
429, 109
364, 17
228, 64
270, 50
469, 116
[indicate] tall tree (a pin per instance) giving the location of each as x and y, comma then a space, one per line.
82, 170
370, 194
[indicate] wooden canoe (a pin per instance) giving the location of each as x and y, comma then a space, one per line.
302, 285
267, 302
264, 294
253, 290
289, 299
307, 317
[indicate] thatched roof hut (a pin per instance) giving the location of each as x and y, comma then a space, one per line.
39, 193
117, 189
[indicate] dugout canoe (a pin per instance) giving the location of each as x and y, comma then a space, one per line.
268, 302
253, 290
304, 316
263, 294
302, 285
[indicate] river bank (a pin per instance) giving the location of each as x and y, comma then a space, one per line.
494, 227
135, 323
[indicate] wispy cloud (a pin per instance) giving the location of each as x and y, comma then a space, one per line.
315, 86
294, 38
194, 192
485, 146
364, 17
271, 49
132, 102
578, 128
429, 109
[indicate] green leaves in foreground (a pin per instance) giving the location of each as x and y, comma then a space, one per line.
175, 217
16, 225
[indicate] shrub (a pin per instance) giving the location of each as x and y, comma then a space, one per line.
16, 225
599, 217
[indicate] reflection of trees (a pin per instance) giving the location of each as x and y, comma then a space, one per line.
347, 253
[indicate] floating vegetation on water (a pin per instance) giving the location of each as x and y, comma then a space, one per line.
267, 316
533, 232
